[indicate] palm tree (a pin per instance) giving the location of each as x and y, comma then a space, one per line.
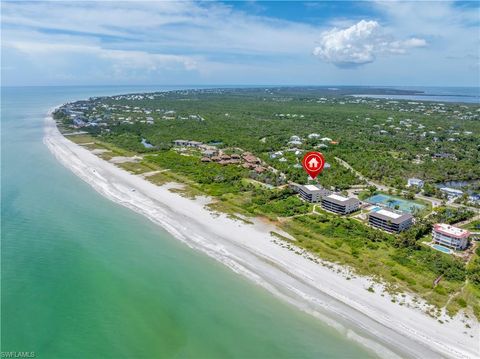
390, 202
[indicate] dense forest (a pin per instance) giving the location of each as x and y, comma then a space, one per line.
385, 141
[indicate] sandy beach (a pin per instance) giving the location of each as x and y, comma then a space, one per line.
388, 329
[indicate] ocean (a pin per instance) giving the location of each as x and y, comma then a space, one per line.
85, 278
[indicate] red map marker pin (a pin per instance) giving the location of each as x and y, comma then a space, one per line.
313, 163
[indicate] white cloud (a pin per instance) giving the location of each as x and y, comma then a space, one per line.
360, 44
212, 42
121, 58
193, 26
142, 59
135, 38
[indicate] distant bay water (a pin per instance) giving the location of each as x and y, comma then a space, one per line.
85, 278
436, 94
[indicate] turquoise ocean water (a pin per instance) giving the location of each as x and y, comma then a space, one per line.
85, 278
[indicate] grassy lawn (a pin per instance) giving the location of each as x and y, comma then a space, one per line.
93, 143
233, 204
160, 178
138, 167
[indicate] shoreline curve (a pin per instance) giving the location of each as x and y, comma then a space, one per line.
385, 328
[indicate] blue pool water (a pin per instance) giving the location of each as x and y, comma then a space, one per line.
392, 202
442, 248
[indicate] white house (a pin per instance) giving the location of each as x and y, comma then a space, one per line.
415, 182
451, 192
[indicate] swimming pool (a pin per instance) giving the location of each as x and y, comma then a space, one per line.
441, 248
392, 202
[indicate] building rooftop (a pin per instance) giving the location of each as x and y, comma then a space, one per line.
451, 230
451, 190
389, 214
312, 187
394, 217
341, 200
338, 197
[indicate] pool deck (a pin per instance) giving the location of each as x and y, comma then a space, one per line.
465, 255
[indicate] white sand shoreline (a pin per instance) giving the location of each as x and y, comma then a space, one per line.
388, 329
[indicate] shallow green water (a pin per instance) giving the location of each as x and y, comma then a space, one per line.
85, 278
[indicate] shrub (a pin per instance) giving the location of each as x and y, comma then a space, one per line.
440, 290
461, 302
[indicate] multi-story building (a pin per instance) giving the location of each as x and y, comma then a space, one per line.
390, 221
339, 204
311, 193
450, 236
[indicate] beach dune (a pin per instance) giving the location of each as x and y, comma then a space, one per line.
321, 289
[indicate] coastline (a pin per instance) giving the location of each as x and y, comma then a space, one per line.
251, 251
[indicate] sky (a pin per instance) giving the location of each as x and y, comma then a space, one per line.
362, 43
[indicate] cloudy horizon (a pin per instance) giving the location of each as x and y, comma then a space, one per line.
220, 43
